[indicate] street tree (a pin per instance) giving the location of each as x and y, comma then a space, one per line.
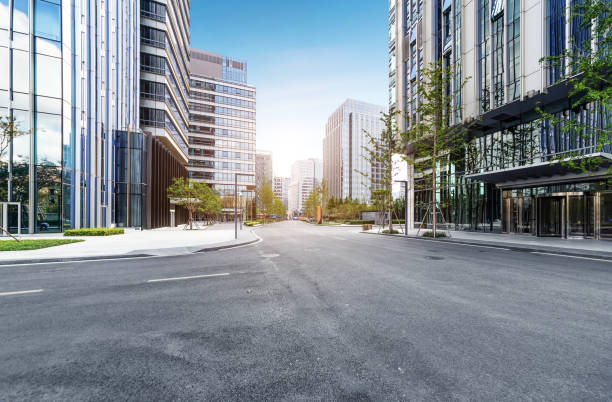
189, 194
312, 202
586, 67
211, 203
265, 197
278, 208
379, 152
433, 137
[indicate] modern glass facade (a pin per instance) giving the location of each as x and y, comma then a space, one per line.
59, 81
75, 75
507, 176
222, 132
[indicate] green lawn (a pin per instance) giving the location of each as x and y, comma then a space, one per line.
13, 245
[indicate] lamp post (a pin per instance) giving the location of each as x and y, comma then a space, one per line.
236, 201
406, 205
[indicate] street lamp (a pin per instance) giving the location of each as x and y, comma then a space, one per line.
236, 201
406, 206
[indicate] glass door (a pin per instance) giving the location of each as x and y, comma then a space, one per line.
605, 212
576, 215
550, 216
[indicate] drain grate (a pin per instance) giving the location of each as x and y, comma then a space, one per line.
431, 257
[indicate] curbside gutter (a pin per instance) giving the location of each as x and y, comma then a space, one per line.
510, 246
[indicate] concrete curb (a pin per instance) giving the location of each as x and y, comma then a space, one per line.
510, 246
138, 254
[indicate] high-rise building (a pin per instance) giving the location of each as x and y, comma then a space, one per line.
164, 101
306, 174
263, 167
346, 168
84, 79
281, 189
513, 186
222, 129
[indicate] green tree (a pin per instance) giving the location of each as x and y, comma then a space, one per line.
312, 202
432, 136
278, 208
190, 194
586, 66
379, 152
211, 203
265, 197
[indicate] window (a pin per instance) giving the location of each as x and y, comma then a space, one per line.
48, 139
153, 10
152, 36
21, 20
48, 76
446, 26
4, 14
514, 49
47, 20
483, 52
152, 117
556, 38
21, 71
498, 61
152, 90
152, 63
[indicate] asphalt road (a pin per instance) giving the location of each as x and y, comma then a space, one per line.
311, 313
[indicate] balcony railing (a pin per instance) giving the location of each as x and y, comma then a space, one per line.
153, 16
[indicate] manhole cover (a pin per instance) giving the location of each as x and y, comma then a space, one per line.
431, 257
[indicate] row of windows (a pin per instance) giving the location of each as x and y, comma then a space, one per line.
211, 142
152, 63
209, 153
222, 99
221, 165
216, 176
222, 110
152, 90
152, 36
209, 86
153, 10
222, 132
219, 121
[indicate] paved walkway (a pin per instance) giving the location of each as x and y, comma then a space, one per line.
165, 241
574, 246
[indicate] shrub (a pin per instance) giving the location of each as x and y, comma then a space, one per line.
94, 232
438, 234
399, 221
252, 223
361, 222
386, 231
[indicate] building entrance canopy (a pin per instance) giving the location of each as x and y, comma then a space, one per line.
545, 172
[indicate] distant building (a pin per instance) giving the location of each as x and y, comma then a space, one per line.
306, 174
281, 189
346, 170
263, 167
222, 126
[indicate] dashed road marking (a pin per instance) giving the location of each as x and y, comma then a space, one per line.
21, 292
184, 278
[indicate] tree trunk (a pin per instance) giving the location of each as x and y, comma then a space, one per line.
433, 192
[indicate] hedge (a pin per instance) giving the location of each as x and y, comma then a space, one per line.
252, 223
438, 234
94, 232
360, 222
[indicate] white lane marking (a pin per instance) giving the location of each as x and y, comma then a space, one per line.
470, 245
21, 292
183, 278
571, 256
77, 261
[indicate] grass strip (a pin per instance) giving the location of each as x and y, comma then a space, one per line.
34, 244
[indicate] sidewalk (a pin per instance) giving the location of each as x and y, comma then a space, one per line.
573, 247
134, 243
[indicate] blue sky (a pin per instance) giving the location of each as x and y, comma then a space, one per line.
305, 57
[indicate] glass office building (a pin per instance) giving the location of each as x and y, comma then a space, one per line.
80, 76
69, 76
507, 178
222, 128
